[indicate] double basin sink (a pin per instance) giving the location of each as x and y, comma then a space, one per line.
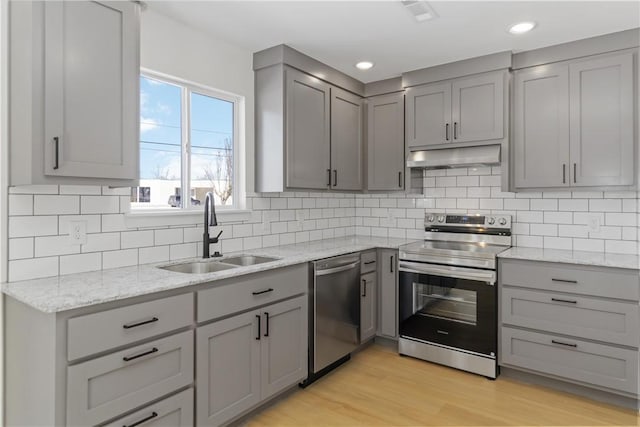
209, 266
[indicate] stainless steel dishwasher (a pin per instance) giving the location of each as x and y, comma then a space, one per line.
334, 321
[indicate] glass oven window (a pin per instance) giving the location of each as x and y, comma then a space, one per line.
445, 302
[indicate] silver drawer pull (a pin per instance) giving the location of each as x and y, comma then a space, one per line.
564, 300
442, 332
575, 282
564, 343
262, 292
144, 322
369, 262
142, 421
146, 353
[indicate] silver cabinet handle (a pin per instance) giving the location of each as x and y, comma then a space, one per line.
56, 155
144, 322
146, 353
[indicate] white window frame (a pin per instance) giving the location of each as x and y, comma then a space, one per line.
188, 214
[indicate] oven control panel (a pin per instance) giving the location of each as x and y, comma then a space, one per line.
467, 220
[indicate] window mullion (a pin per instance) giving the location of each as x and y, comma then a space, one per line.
186, 148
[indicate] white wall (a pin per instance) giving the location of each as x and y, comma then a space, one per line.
4, 147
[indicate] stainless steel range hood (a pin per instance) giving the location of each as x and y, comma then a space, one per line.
462, 157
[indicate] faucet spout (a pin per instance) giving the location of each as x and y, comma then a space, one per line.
210, 220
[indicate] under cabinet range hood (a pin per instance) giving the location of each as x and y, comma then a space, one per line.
461, 157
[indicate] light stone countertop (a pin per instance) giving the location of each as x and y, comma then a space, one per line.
61, 293
597, 259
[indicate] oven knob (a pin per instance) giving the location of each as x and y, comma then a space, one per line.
491, 220
502, 221
441, 218
431, 218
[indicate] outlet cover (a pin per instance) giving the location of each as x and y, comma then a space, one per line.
593, 222
78, 232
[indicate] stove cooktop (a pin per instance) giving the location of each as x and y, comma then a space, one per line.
442, 248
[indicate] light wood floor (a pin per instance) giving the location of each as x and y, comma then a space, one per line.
380, 388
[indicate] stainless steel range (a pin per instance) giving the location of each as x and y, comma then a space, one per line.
447, 292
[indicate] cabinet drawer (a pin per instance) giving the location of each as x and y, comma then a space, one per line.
602, 320
174, 411
367, 262
601, 282
109, 329
102, 388
244, 293
602, 365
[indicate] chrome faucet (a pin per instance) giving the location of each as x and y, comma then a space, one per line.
210, 220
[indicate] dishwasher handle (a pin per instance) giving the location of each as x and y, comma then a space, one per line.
337, 269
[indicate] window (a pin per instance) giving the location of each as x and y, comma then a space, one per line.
188, 141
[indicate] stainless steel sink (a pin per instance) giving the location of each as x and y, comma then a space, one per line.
244, 260
198, 267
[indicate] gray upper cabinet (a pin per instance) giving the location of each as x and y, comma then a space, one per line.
601, 120
428, 114
346, 140
574, 123
308, 131
467, 109
80, 60
541, 118
385, 142
478, 107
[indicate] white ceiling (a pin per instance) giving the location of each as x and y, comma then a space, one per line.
341, 33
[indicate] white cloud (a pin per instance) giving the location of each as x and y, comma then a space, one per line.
147, 124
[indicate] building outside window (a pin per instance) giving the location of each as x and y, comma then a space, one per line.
188, 141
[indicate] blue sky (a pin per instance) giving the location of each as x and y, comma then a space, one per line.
160, 129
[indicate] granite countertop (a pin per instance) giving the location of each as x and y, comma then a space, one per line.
597, 259
61, 293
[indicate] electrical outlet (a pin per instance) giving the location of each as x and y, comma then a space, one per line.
78, 232
593, 222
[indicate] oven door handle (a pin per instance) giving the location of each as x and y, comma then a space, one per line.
488, 277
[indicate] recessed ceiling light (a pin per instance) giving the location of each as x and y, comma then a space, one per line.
364, 65
522, 27
420, 9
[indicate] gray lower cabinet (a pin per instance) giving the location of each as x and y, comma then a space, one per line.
388, 293
368, 306
75, 99
385, 142
308, 135
467, 109
347, 148
574, 123
571, 322
245, 359
614, 368
174, 411
99, 389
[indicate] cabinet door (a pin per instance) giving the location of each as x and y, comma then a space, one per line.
388, 293
307, 131
346, 140
228, 368
541, 135
478, 107
385, 141
601, 104
429, 115
284, 345
368, 306
91, 89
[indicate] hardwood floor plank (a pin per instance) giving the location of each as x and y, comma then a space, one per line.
380, 388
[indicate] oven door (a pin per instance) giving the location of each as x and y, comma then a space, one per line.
451, 306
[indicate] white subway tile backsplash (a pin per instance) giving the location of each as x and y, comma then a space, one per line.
136, 239
20, 204
101, 242
624, 219
589, 245
605, 205
26, 226
543, 229
115, 222
621, 247
34, 268
81, 263
81, 189
34, 189
21, 248
116, 191
558, 217
99, 204
169, 236
116, 259
183, 250
544, 204
153, 254
558, 243
54, 245
56, 205
92, 223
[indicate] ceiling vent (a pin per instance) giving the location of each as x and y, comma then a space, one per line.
421, 10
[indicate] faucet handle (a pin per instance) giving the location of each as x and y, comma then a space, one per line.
219, 234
